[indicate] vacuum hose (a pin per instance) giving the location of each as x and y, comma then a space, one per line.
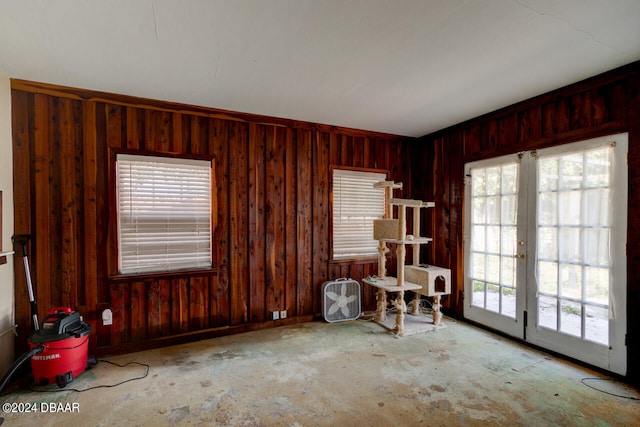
12, 370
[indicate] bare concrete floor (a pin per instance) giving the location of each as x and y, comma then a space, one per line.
348, 374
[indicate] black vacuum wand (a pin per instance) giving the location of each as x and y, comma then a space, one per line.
22, 240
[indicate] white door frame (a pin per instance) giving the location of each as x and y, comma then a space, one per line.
511, 326
613, 357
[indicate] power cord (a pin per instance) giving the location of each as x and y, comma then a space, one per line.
604, 391
105, 385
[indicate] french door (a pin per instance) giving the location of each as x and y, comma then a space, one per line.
545, 236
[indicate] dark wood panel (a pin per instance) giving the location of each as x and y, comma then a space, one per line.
179, 305
304, 232
291, 222
21, 125
219, 147
320, 214
275, 220
257, 192
271, 213
603, 105
238, 223
42, 198
633, 231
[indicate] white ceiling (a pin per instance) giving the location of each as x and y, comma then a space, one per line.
403, 67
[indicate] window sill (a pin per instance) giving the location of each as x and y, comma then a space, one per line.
363, 260
131, 277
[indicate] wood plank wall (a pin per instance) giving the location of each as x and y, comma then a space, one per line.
606, 104
271, 241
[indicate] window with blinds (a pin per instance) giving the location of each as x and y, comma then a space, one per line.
164, 213
355, 205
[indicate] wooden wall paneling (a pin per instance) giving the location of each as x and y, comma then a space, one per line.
105, 243
369, 292
380, 162
176, 139
441, 198
154, 308
22, 132
120, 311
164, 304
70, 193
508, 130
368, 153
198, 135
137, 317
335, 270
238, 223
406, 168
257, 191
548, 112
304, 208
472, 139
110, 127
89, 205
275, 264
321, 216
598, 107
561, 115
394, 164
355, 271
89, 253
134, 128
606, 104
198, 303
418, 164
529, 124
291, 222
179, 305
617, 105
158, 131
272, 232
346, 148
41, 203
456, 223
335, 150
580, 110
489, 134
633, 227
358, 151
219, 148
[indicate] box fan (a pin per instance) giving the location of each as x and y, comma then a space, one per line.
341, 300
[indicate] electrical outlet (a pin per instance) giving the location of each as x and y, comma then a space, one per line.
283, 314
276, 315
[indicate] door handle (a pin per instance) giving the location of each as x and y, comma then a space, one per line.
520, 256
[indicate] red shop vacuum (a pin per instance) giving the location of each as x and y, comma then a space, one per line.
59, 350
65, 341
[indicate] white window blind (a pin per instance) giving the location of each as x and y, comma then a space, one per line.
164, 213
355, 205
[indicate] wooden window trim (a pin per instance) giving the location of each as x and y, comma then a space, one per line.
113, 269
357, 259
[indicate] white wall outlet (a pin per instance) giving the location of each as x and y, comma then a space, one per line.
276, 315
283, 314
107, 317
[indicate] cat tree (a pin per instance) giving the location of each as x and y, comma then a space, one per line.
422, 280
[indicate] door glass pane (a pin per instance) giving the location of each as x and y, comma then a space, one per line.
573, 232
548, 277
597, 285
596, 324
494, 237
548, 312
570, 318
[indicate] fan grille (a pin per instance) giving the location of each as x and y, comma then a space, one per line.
341, 300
